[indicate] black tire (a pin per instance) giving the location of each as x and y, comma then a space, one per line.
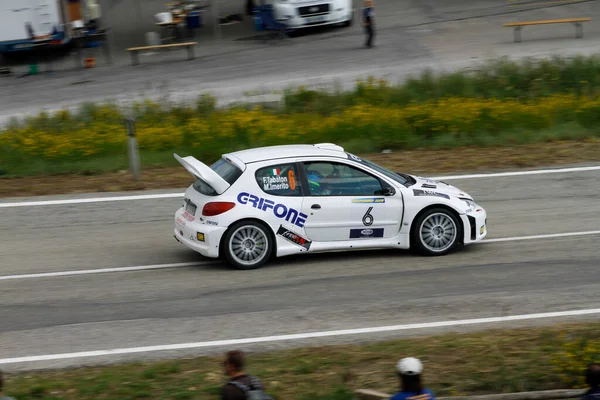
442, 227
257, 234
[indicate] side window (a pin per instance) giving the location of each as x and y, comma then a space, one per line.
332, 179
279, 180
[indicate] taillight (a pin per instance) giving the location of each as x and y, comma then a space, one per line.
216, 208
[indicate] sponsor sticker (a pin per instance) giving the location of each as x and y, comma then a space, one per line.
281, 211
188, 216
214, 223
366, 233
180, 222
369, 200
293, 237
470, 210
419, 192
482, 229
200, 236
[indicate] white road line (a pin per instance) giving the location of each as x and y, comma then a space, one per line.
519, 173
192, 264
102, 270
297, 336
549, 236
176, 195
91, 200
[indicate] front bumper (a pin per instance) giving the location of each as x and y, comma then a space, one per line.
475, 223
202, 238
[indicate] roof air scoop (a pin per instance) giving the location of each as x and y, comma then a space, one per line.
329, 146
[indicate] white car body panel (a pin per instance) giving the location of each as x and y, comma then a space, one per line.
339, 223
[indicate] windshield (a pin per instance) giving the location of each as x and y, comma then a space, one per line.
402, 179
226, 170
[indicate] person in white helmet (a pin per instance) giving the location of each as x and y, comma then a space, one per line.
411, 387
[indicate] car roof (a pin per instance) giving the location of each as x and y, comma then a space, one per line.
287, 151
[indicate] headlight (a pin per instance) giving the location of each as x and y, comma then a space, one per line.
470, 203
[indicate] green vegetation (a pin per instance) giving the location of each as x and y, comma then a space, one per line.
497, 361
502, 104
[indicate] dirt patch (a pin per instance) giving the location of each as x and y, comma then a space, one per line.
414, 161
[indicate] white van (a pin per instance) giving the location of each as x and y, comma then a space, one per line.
309, 13
22, 19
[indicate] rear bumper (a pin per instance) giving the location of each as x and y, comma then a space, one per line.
475, 224
202, 238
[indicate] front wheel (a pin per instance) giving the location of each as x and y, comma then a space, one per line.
247, 245
436, 232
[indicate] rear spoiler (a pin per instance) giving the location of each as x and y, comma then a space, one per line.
203, 172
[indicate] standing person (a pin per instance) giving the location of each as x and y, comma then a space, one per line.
2, 397
240, 385
592, 378
409, 373
369, 22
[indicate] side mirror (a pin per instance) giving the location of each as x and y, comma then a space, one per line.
386, 191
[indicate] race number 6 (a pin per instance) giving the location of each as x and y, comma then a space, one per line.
368, 218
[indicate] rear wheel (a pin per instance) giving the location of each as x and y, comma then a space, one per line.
247, 245
436, 232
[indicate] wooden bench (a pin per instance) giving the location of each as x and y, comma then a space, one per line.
134, 50
576, 21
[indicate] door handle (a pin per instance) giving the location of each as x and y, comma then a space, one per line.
316, 207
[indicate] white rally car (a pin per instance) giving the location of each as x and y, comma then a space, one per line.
254, 204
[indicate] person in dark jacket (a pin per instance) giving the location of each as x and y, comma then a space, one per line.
369, 22
592, 378
234, 368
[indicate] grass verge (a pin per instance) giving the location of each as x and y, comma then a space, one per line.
161, 171
497, 361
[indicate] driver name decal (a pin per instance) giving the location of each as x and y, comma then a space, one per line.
280, 211
275, 183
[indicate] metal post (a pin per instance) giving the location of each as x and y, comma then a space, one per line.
132, 147
578, 30
216, 21
518, 34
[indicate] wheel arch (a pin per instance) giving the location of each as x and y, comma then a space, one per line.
271, 233
450, 209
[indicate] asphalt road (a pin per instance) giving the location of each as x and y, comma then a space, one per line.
296, 294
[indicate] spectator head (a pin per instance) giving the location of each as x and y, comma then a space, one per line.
368, 3
234, 363
409, 372
592, 375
